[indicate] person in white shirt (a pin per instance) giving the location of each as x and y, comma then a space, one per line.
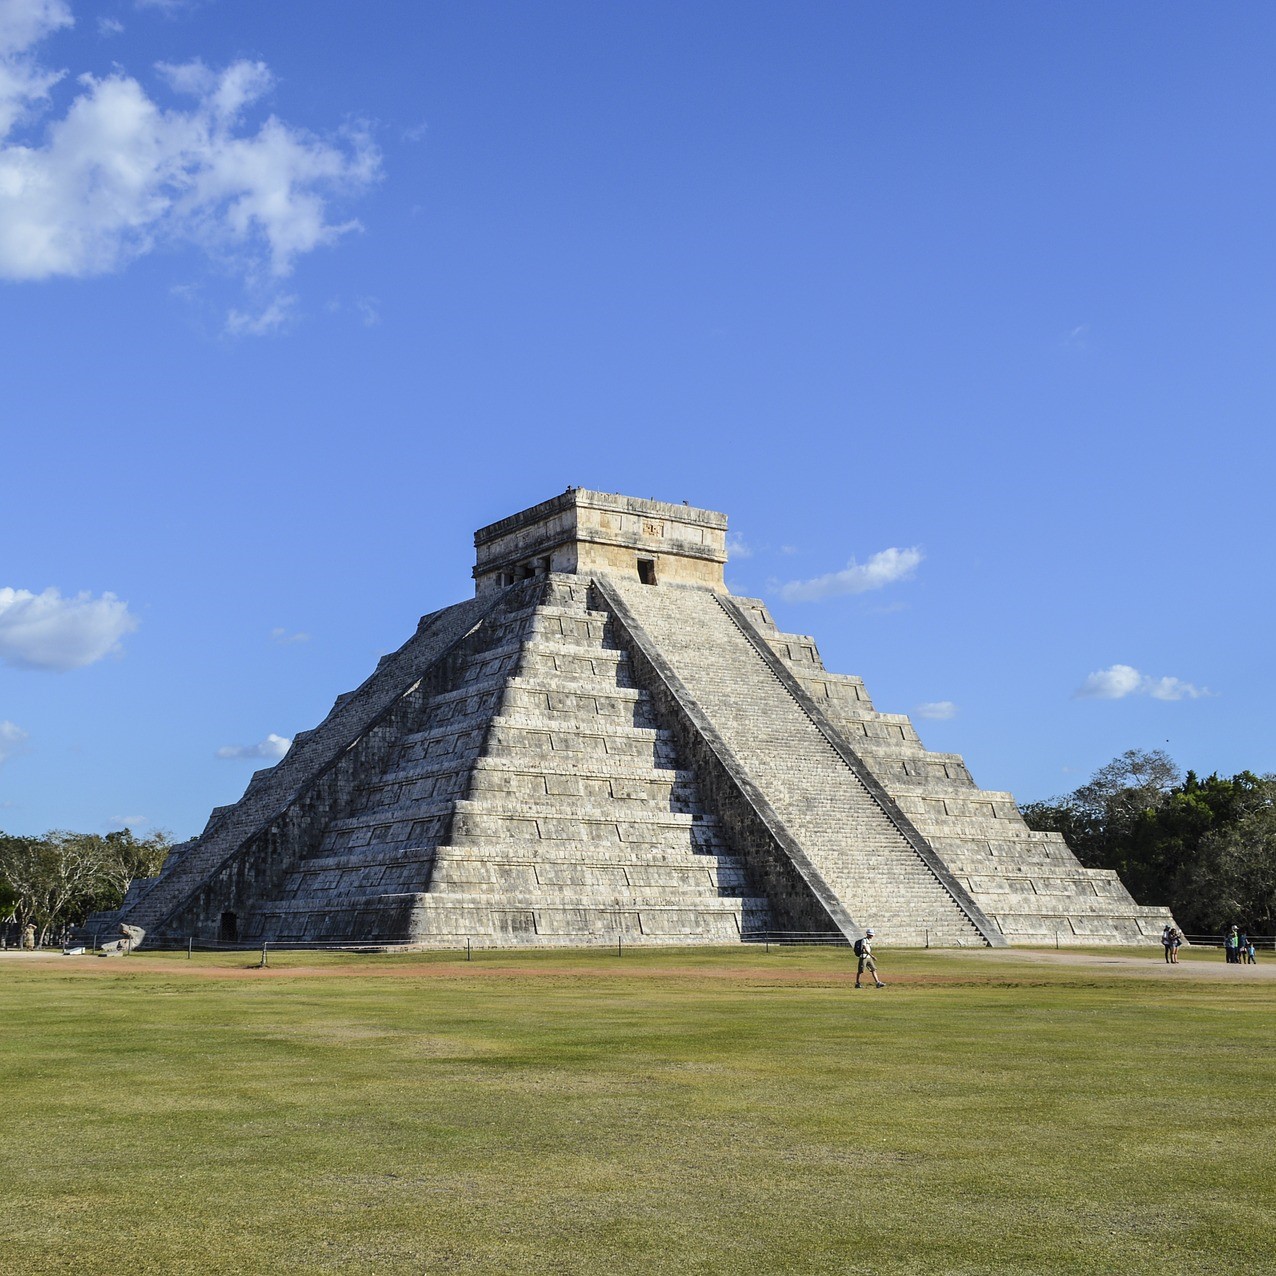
864, 951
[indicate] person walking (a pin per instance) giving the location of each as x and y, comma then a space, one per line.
864, 951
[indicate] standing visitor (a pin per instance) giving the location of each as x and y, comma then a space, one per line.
1167, 942
864, 951
1232, 945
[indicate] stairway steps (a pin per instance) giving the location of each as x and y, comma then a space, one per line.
852, 842
572, 805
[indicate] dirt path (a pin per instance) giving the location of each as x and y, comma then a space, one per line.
1209, 966
994, 966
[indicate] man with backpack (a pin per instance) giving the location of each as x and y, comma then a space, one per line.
864, 951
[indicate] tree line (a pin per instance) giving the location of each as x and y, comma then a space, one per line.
56, 880
1204, 847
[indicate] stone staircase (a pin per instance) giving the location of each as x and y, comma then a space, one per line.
539, 803
847, 834
1030, 884
313, 777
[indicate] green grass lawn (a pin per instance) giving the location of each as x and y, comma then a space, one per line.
694, 1111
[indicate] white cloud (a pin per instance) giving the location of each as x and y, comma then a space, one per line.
107, 27
937, 710
368, 311
276, 316
273, 747
1118, 681
165, 6
47, 631
1174, 689
884, 568
12, 738
23, 82
118, 174
284, 638
737, 547
1112, 683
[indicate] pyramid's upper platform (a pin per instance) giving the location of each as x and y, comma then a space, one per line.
588, 533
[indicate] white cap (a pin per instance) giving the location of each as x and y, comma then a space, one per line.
869, 931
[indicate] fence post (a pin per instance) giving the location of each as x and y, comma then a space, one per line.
467, 949
1056, 939
264, 942
619, 942
190, 947
928, 937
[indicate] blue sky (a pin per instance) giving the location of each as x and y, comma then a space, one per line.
295, 297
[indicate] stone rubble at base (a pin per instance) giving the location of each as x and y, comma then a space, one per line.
603, 745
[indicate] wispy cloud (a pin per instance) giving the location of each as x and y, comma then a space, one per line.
118, 823
284, 638
169, 7
121, 173
47, 631
1077, 338
24, 84
936, 710
273, 747
12, 740
737, 546
884, 568
1116, 682
275, 316
107, 27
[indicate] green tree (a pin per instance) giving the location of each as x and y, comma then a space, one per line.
1098, 818
1167, 853
57, 879
8, 896
1236, 870
1205, 847
125, 857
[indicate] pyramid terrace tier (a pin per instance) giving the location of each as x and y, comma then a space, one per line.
511, 920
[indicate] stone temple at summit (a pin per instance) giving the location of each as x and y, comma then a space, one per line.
604, 744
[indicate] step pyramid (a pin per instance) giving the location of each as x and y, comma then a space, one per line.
604, 746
